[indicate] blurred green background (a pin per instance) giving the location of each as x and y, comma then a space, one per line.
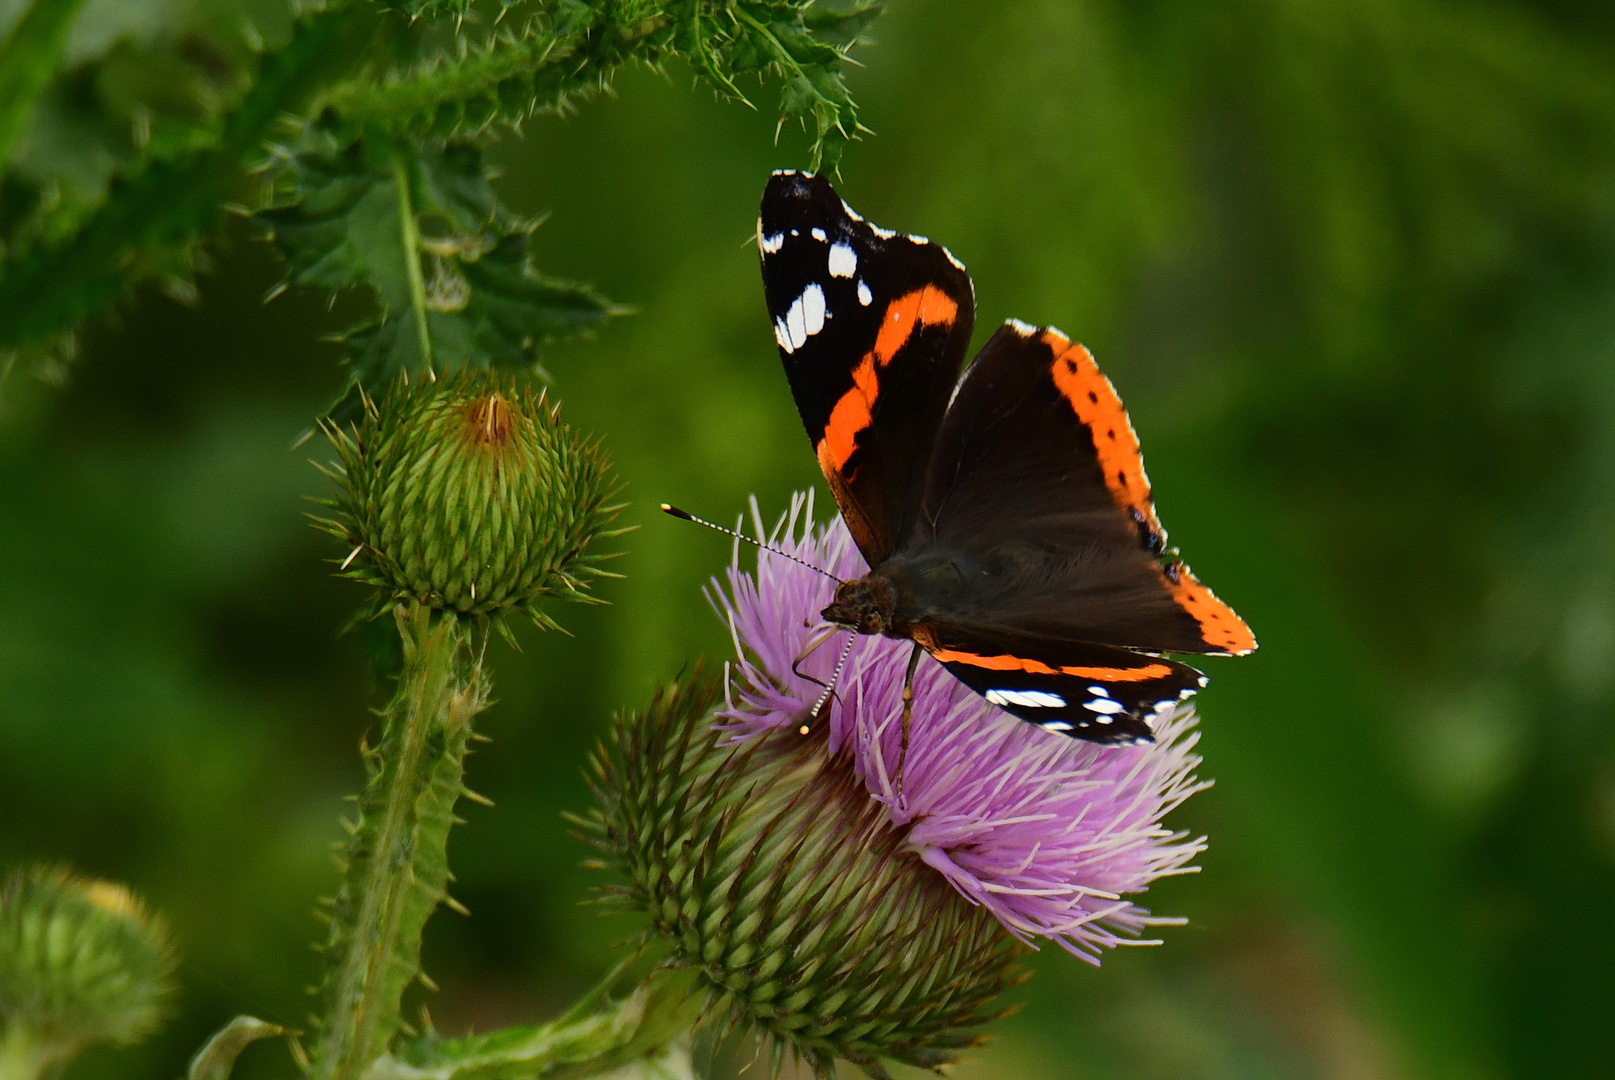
1351, 263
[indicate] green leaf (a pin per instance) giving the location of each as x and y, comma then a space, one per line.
806, 45
217, 1058
645, 1034
485, 302
416, 9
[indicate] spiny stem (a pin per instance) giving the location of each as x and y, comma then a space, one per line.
27, 62
409, 235
47, 290
398, 856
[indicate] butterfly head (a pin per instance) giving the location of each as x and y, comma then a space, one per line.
867, 605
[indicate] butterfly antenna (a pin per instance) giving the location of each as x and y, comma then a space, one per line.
683, 515
829, 687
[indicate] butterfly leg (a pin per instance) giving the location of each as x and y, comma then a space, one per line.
908, 713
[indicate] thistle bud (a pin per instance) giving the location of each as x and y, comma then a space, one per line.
469, 496
81, 962
768, 869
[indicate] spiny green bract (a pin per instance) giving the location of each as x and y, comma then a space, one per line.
768, 868
470, 496
81, 962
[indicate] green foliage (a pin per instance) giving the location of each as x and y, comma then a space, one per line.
424, 232
28, 59
217, 1058
574, 47
131, 156
595, 1037
145, 224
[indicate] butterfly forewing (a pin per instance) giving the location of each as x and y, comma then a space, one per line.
872, 327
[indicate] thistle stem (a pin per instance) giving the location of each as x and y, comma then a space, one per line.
397, 868
409, 235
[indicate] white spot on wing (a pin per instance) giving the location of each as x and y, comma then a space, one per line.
818, 234
921, 240
812, 309
864, 295
1027, 699
1098, 691
1055, 725
796, 325
783, 336
855, 215
843, 261
1023, 329
771, 244
1104, 706
884, 234
957, 264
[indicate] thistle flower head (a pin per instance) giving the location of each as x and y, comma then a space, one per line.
469, 495
767, 868
81, 962
1048, 834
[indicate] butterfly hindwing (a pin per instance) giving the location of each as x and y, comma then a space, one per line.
872, 327
1037, 495
1091, 692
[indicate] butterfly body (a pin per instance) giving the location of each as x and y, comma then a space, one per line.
1004, 513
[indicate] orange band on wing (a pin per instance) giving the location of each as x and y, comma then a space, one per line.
855, 409
1219, 626
851, 414
929, 306
1037, 667
1094, 400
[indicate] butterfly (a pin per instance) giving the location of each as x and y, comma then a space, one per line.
1004, 513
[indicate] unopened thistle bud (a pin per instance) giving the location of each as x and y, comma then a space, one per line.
81, 962
469, 495
768, 869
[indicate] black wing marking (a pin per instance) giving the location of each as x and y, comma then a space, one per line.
872, 327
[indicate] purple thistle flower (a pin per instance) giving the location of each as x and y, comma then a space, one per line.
1046, 832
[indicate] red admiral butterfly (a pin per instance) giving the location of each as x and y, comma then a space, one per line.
1005, 514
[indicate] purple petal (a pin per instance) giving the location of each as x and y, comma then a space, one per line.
1048, 833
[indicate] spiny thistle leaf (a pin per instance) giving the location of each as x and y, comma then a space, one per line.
417, 9
217, 1058
574, 48
341, 223
769, 869
60, 269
